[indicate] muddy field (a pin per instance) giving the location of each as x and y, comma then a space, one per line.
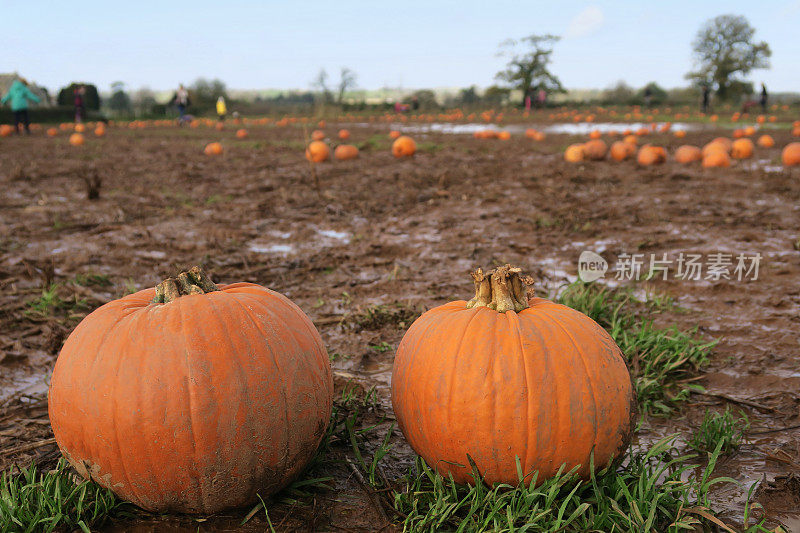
403, 235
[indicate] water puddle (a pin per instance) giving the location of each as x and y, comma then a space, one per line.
580, 128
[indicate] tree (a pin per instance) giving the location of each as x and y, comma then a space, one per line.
320, 83
657, 94
495, 95
620, 93
204, 92
119, 101
91, 98
527, 67
725, 52
468, 96
347, 81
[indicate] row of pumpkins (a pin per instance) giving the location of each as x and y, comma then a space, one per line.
717, 153
195, 397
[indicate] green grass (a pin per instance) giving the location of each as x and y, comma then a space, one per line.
54, 501
719, 429
655, 491
660, 359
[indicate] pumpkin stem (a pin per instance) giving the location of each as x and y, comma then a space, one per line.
195, 281
503, 289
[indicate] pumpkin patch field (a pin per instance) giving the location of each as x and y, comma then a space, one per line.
388, 325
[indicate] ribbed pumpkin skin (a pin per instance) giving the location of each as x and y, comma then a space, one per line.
546, 384
194, 405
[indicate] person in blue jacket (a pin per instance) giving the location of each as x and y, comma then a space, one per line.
19, 94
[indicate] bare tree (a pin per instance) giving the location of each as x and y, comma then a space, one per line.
527, 67
725, 52
347, 81
320, 83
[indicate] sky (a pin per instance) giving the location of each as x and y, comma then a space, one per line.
409, 44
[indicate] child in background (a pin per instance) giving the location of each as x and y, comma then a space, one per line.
222, 110
19, 94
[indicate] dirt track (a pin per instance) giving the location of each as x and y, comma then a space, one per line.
403, 234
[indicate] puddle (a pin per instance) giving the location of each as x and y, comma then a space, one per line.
339, 235
580, 128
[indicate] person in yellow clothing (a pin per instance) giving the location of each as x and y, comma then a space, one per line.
222, 109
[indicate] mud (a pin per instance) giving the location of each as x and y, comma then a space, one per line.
403, 234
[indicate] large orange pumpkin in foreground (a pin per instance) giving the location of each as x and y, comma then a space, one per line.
404, 146
213, 149
574, 153
343, 152
595, 150
688, 154
621, 150
191, 397
742, 148
505, 376
791, 154
317, 152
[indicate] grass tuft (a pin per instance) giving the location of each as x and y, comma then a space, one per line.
660, 359
718, 428
54, 501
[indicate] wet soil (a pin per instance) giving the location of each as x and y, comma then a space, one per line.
402, 234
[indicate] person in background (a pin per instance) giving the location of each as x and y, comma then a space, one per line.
648, 96
79, 95
222, 109
706, 98
528, 101
19, 94
181, 101
541, 98
764, 97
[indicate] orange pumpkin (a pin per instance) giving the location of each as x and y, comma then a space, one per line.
394, 134
317, 152
688, 154
343, 152
742, 148
6, 130
680, 134
716, 158
595, 150
595, 134
404, 146
317, 135
749, 131
621, 151
651, 155
79, 128
505, 377
52, 132
344, 134
766, 141
198, 397
574, 153
791, 154
100, 130
631, 139
219, 126
504, 135
213, 149
76, 139
717, 145
241, 133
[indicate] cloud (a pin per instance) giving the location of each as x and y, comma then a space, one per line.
585, 23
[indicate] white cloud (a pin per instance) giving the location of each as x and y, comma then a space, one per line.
585, 23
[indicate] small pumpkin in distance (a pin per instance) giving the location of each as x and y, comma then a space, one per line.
344, 134
201, 398
506, 376
651, 155
241, 133
52, 132
394, 134
404, 146
317, 135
